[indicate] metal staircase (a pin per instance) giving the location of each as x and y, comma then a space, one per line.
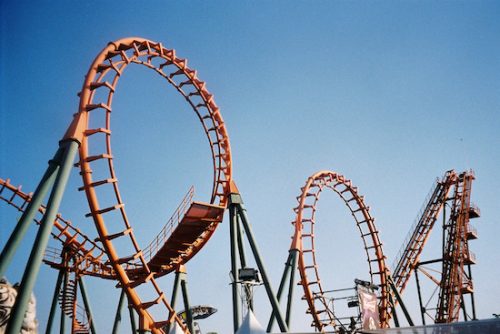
70, 307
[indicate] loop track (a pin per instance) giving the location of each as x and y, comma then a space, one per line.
103, 77
304, 231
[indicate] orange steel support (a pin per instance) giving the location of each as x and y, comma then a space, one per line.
455, 281
304, 229
410, 255
103, 76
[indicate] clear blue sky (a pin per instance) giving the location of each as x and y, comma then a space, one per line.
389, 93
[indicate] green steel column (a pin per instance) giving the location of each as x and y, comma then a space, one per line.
234, 266
401, 303
173, 300
243, 261
422, 308
42, 238
62, 325
133, 326
187, 307
86, 302
118, 316
284, 277
29, 214
473, 303
74, 305
464, 310
53, 306
393, 310
241, 249
177, 283
253, 245
291, 286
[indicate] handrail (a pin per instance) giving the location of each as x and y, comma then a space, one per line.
155, 245
420, 213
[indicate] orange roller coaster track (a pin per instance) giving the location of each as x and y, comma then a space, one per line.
307, 263
104, 74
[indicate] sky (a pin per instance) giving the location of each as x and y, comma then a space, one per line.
391, 94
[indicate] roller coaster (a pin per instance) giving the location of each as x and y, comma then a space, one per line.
136, 269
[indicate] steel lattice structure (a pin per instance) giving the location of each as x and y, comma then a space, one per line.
455, 281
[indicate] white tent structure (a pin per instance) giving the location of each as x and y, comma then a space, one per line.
250, 325
176, 329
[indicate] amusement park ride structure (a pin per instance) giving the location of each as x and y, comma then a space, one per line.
193, 223
455, 281
302, 251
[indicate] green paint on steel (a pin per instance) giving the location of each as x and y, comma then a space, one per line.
86, 302
53, 306
118, 316
29, 214
35, 260
258, 259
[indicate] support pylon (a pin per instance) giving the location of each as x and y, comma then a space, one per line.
288, 274
61, 166
238, 215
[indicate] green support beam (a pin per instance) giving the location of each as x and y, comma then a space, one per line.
236, 207
133, 325
187, 307
177, 284
118, 316
422, 308
233, 221
290, 266
35, 260
29, 214
86, 302
62, 324
53, 306
400, 301
291, 286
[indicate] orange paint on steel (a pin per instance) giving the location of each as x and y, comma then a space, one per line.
456, 253
409, 256
194, 223
103, 76
304, 228
87, 254
453, 278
